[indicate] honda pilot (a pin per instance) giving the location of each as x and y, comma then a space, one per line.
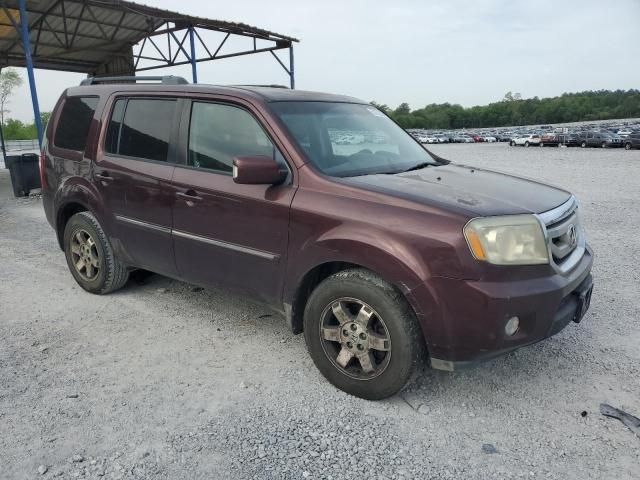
383, 254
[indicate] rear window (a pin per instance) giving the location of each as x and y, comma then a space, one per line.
140, 128
74, 122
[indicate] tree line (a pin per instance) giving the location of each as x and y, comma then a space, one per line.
513, 110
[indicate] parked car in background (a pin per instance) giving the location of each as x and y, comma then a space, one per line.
599, 139
549, 140
526, 140
489, 138
381, 256
632, 141
624, 133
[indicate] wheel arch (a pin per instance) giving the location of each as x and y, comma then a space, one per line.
64, 213
296, 300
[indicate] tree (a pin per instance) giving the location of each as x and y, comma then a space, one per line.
380, 106
403, 109
44, 117
9, 81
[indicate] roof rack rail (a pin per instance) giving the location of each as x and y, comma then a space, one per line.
165, 80
273, 85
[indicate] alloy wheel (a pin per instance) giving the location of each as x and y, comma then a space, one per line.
355, 338
85, 256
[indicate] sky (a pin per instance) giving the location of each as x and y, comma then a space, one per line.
420, 52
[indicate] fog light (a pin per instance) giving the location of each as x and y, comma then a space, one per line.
512, 326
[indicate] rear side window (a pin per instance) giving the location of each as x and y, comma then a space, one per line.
140, 128
74, 122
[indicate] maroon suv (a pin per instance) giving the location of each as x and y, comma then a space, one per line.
322, 207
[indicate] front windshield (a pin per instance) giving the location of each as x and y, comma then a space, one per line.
350, 139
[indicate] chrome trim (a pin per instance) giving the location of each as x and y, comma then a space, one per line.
140, 223
551, 223
227, 245
559, 213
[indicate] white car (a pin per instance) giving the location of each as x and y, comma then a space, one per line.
624, 133
489, 138
526, 140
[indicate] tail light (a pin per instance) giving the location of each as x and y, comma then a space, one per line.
42, 166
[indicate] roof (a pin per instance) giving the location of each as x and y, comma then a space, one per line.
83, 35
264, 93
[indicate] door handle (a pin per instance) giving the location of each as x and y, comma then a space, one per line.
104, 176
189, 196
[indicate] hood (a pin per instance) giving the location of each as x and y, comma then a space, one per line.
466, 189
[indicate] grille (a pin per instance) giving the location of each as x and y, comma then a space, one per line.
565, 236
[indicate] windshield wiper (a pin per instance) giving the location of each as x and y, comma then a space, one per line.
419, 166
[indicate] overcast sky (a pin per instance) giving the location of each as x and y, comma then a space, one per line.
421, 52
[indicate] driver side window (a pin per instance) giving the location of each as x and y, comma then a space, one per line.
218, 133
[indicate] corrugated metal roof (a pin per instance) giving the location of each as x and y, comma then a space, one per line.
84, 35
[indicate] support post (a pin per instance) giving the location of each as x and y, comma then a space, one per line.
26, 46
4, 149
194, 67
292, 78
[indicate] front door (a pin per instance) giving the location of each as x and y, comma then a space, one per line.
225, 233
133, 171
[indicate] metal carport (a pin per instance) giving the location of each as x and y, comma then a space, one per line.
112, 37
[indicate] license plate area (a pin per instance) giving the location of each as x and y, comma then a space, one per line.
583, 293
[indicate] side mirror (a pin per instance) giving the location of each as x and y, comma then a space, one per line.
257, 170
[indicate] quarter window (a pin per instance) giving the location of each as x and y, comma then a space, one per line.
74, 122
218, 133
140, 128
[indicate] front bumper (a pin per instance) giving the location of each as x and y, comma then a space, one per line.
465, 324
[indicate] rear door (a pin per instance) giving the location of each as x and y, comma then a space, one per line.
133, 171
225, 233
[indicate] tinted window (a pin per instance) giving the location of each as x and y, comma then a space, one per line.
145, 130
113, 130
218, 133
74, 122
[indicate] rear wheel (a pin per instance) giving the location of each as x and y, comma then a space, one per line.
583, 144
512, 143
526, 144
362, 334
603, 144
90, 256
627, 146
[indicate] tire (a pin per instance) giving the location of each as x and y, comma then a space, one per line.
526, 144
85, 242
583, 145
603, 144
541, 144
627, 146
387, 316
512, 143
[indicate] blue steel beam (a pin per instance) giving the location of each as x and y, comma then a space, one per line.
194, 67
26, 46
292, 78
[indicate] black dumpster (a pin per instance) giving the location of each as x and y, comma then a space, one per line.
25, 173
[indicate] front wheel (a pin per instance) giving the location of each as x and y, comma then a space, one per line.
526, 144
90, 257
362, 334
627, 146
603, 145
583, 145
512, 143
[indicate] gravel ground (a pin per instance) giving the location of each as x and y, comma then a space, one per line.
165, 380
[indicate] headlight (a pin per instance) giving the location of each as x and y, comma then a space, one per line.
507, 240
